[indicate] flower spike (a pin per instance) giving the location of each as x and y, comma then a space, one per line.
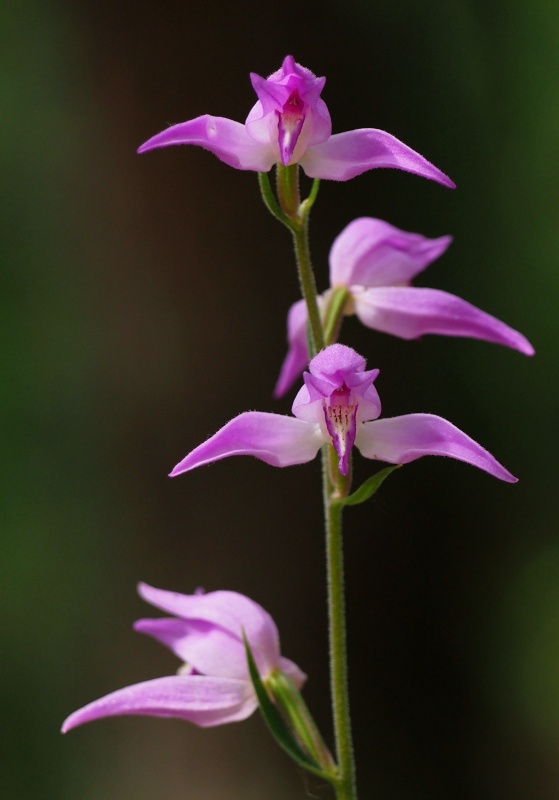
338, 404
290, 124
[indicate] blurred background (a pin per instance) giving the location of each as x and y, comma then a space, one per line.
143, 305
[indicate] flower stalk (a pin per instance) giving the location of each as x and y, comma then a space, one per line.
298, 213
345, 786
308, 286
298, 718
289, 195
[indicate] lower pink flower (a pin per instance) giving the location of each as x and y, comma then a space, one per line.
213, 686
339, 405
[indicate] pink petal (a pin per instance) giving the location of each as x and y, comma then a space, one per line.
335, 366
198, 699
370, 252
229, 611
340, 421
410, 312
225, 138
297, 356
290, 81
292, 671
290, 126
399, 440
345, 155
209, 649
276, 439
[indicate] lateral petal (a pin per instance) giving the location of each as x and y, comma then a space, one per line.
297, 356
345, 155
410, 312
196, 698
370, 252
276, 439
231, 612
225, 138
399, 440
206, 647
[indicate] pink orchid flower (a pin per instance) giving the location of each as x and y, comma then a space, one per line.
339, 405
375, 262
214, 686
290, 124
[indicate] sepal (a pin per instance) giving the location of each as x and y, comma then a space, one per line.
289, 721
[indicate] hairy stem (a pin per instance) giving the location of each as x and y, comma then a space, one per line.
308, 286
345, 787
294, 214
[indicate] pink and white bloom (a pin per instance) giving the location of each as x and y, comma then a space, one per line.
213, 686
376, 262
291, 124
339, 405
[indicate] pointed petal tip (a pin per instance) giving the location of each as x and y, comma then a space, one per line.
276, 439
71, 722
283, 384
399, 440
497, 470
433, 173
178, 470
143, 626
526, 348
144, 590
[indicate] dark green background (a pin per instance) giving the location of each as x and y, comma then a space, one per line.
143, 304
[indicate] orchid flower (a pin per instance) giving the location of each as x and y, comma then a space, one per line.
339, 405
375, 262
290, 124
214, 686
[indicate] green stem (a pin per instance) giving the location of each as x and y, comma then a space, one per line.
345, 786
287, 184
295, 215
308, 285
334, 487
270, 200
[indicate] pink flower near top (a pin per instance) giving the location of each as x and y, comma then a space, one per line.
213, 686
290, 124
376, 262
339, 405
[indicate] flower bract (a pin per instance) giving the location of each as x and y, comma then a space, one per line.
375, 262
206, 633
338, 404
290, 124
